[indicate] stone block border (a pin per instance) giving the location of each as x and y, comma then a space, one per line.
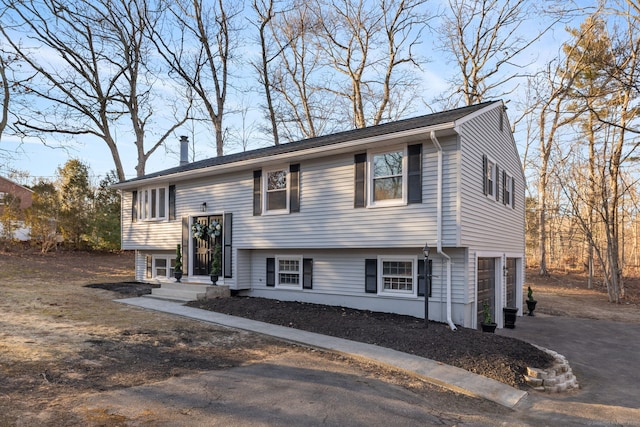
556, 379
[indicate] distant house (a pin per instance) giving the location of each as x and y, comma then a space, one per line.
9, 189
343, 219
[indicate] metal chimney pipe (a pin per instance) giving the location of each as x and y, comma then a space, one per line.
184, 150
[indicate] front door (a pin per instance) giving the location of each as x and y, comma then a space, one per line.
203, 247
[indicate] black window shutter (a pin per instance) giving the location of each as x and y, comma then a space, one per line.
485, 183
186, 236
497, 182
424, 278
504, 188
257, 193
227, 224
271, 271
307, 273
134, 206
294, 192
172, 202
414, 173
513, 193
371, 276
359, 184
149, 266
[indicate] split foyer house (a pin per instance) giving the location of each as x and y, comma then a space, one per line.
343, 219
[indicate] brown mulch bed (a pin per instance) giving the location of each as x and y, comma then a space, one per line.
502, 358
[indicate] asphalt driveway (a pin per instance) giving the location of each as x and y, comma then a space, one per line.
604, 355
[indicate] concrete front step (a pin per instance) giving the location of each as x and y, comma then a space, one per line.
184, 292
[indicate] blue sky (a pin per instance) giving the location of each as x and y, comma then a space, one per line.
40, 160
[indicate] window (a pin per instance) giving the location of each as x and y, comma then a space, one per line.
2, 197
289, 272
507, 189
391, 177
490, 178
276, 190
387, 177
397, 276
163, 266
153, 203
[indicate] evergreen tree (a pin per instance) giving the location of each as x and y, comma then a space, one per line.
42, 216
76, 197
106, 217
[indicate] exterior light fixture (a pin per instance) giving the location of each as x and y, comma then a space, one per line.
203, 207
426, 250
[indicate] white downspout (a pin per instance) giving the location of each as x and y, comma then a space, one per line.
439, 229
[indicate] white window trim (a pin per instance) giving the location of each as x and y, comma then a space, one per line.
495, 187
265, 184
405, 184
300, 272
414, 276
170, 268
509, 188
143, 213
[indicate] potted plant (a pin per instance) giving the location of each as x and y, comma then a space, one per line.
531, 303
177, 270
488, 325
216, 263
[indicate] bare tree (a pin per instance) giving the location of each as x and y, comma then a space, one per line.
197, 39
553, 87
372, 45
485, 37
6, 94
97, 81
301, 108
605, 93
265, 11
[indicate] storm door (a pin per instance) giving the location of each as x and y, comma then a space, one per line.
486, 286
203, 247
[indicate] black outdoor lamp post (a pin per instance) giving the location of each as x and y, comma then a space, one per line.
427, 279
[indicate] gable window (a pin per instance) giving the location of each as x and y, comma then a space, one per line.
507, 189
152, 203
490, 178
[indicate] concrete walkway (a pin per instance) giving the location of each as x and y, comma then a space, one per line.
452, 378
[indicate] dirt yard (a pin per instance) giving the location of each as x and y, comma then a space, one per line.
60, 338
